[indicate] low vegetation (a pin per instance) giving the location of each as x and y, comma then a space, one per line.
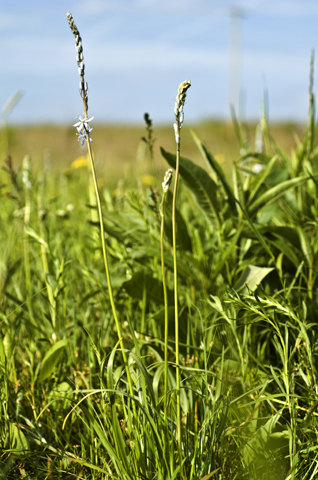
99, 379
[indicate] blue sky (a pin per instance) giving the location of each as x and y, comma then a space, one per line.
138, 51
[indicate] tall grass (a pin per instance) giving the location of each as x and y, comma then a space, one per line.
94, 381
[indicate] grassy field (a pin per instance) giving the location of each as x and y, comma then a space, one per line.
247, 297
159, 328
118, 159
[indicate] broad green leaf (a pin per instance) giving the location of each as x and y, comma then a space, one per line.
216, 167
257, 444
252, 277
135, 288
200, 183
51, 359
16, 440
275, 193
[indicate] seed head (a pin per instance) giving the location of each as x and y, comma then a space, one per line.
147, 120
167, 180
180, 99
26, 174
78, 44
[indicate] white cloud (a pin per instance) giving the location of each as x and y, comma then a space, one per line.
157, 56
286, 8
14, 21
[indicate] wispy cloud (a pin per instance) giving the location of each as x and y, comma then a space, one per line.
286, 8
152, 45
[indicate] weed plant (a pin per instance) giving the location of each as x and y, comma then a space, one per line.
194, 357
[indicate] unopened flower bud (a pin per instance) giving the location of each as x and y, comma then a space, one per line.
167, 180
180, 99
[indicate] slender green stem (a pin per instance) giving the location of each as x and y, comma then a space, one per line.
26, 250
166, 320
175, 283
102, 234
45, 263
110, 289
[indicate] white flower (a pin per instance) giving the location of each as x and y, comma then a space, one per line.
82, 136
257, 168
83, 123
83, 128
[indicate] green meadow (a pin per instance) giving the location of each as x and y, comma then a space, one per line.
247, 255
120, 150
158, 299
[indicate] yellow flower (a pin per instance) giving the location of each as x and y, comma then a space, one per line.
79, 162
148, 180
219, 157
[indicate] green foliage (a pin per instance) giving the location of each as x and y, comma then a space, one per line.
51, 359
247, 271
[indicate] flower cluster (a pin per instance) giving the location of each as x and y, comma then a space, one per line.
83, 87
26, 174
178, 108
83, 128
180, 101
167, 180
78, 44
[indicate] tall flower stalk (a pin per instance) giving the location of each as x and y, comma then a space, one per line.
165, 187
179, 117
84, 130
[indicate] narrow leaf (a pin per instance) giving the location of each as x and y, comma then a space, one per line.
216, 167
260, 179
275, 193
306, 247
227, 252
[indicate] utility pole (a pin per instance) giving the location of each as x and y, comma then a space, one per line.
235, 56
